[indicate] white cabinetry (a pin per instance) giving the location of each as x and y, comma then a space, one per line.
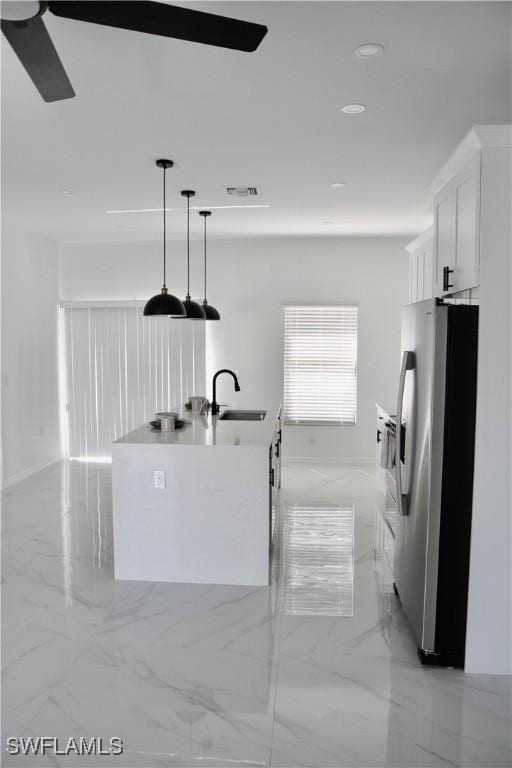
421, 267
382, 417
443, 236
456, 228
275, 476
466, 202
209, 521
472, 236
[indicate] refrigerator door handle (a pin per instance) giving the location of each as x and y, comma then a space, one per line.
407, 365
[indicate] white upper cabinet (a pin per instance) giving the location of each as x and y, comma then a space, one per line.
456, 229
443, 237
463, 191
466, 200
421, 274
446, 259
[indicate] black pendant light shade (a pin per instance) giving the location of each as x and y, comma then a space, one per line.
193, 310
164, 303
210, 312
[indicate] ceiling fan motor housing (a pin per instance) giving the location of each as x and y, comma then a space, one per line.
21, 10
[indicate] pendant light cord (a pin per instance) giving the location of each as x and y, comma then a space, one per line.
204, 258
165, 238
188, 247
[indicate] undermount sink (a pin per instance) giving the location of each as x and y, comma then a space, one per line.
230, 415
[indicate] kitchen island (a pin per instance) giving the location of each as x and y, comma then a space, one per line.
195, 505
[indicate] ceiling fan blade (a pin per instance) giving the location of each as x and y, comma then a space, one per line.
165, 20
32, 45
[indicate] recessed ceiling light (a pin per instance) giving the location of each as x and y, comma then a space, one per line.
338, 185
368, 50
353, 109
67, 192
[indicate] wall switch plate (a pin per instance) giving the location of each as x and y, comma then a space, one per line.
159, 479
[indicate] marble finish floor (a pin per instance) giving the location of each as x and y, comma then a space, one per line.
318, 670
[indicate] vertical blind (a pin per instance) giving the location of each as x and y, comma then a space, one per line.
320, 365
121, 368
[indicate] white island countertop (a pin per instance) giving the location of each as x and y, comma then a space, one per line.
210, 431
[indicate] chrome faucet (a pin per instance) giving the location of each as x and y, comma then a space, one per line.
215, 405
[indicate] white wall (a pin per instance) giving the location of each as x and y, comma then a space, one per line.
30, 392
250, 281
255, 279
126, 270
489, 635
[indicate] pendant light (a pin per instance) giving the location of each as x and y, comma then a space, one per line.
193, 310
164, 303
210, 312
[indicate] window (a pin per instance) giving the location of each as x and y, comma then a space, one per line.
320, 365
121, 368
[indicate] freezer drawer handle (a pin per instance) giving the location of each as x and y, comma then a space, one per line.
407, 365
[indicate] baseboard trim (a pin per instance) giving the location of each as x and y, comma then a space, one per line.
18, 477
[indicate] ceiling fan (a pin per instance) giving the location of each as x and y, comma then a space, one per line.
22, 24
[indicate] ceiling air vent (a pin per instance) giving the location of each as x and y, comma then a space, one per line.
242, 191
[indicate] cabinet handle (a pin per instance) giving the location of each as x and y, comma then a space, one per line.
272, 477
446, 278
378, 435
277, 450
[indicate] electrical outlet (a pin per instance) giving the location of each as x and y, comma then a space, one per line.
159, 479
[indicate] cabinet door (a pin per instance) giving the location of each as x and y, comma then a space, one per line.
413, 277
381, 475
428, 270
275, 478
277, 461
420, 267
466, 202
271, 495
443, 237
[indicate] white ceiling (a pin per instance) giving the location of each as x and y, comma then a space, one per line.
271, 119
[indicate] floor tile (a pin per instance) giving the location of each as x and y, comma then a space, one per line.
319, 669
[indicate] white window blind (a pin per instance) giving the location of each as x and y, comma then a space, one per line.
121, 368
320, 365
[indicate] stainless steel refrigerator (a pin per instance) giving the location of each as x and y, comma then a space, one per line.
434, 474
